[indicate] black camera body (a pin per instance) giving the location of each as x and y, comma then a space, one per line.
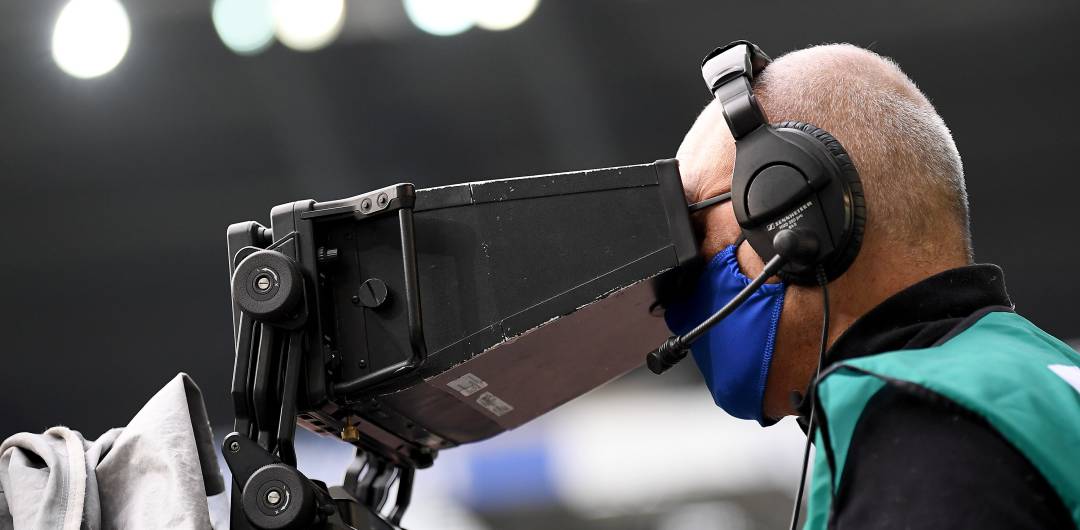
407, 321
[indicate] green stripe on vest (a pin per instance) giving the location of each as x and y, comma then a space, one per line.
999, 368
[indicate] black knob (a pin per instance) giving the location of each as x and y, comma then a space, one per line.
372, 293
267, 285
276, 497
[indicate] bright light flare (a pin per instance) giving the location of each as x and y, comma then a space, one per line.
441, 17
91, 37
245, 26
499, 15
308, 25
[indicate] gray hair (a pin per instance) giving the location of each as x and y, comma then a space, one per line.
912, 175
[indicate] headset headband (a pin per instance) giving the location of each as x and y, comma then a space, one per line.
728, 71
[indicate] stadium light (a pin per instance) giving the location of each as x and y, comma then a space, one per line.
441, 17
91, 37
245, 26
499, 15
308, 25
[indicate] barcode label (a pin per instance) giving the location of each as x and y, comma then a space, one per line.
493, 404
467, 384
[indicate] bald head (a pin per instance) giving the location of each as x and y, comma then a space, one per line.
911, 170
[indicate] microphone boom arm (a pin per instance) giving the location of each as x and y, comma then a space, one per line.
675, 348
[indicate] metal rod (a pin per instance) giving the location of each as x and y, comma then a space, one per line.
701, 205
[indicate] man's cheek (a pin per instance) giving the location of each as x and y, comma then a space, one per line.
749, 262
721, 230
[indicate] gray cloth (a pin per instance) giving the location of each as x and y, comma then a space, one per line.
157, 472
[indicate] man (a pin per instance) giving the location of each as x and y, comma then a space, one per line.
907, 455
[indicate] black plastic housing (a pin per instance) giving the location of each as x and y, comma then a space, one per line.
500, 299
780, 174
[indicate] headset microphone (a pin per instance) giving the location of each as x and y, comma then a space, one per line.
791, 246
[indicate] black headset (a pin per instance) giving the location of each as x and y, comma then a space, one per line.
788, 176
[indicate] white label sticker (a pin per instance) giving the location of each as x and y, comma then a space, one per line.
1071, 374
467, 384
494, 405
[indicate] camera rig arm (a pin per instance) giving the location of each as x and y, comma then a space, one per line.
271, 304
409, 321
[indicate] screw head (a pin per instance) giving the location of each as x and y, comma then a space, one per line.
263, 281
372, 293
365, 205
382, 199
234, 446
273, 497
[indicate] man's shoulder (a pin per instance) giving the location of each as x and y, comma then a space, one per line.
993, 354
920, 461
965, 433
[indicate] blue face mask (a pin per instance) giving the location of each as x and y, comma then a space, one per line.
735, 354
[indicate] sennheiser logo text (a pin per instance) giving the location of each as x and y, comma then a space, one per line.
790, 219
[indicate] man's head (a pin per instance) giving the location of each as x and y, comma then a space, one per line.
917, 214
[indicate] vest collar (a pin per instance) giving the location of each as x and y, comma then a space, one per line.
921, 315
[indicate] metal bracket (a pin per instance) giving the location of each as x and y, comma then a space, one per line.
412, 296
270, 305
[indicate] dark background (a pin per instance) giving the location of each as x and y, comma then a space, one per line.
116, 191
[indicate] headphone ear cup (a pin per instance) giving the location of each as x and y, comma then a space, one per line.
851, 240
